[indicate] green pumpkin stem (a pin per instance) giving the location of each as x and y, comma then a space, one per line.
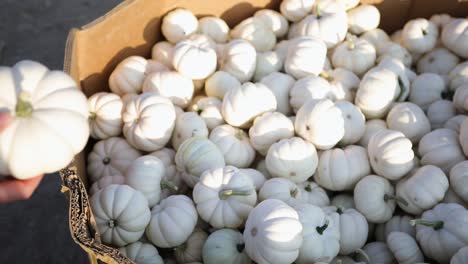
24, 108
224, 194
397, 199
364, 255
434, 224
318, 11
294, 192
240, 247
321, 229
169, 186
111, 223
92, 116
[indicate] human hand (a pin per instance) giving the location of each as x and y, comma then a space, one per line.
12, 189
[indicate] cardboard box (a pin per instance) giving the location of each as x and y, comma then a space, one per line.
93, 51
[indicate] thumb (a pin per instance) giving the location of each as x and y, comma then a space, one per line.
5, 120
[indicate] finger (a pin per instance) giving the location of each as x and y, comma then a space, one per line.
5, 120
14, 190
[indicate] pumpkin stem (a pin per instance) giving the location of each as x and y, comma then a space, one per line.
397, 199
224, 194
339, 210
240, 134
326, 76
308, 188
318, 11
111, 223
240, 247
321, 229
169, 186
434, 224
364, 255
92, 116
24, 108
294, 192
106, 160
425, 32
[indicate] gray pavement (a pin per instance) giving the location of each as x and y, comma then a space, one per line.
36, 231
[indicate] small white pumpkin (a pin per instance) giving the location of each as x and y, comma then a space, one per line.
215, 28
376, 37
298, 64
255, 31
261, 167
142, 253
128, 76
225, 246
320, 122
422, 190
439, 60
110, 156
267, 62
191, 250
343, 201
296, 10
363, 18
224, 197
104, 182
343, 83
313, 194
354, 54
281, 189
419, 35
163, 83
409, 119
162, 53
149, 120
459, 179
310, 87
404, 248
394, 50
268, 129
390, 154
256, 176
172, 221
282, 49
321, 234
460, 257
209, 109
454, 34
273, 233
219, 83
188, 54
458, 76
440, 20
372, 127
187, 125
439, 112
121, 214
399, 224
354, 122
442, 231
280, 84
401, 71
238, 58
455, 123
105, 115
293, 158
440, 148
377, 252
172, 182
242, 104
460, 98
374, 198
274, 21
452, 197
426, 89
195, 156
340, 169
178, 24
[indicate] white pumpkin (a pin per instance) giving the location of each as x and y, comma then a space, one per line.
261, 167
439, 60
376, 37
281, 189
149, 120
282, 48
129, 75
340, 169
145, 175
142, 253
440, 148
399, 224
219, 83
209, 109
48, 122
110, 156
442, 231
343, 201
215, 28
454, 34
105, 115
401, 71
419, 35
394, 50
191, 250
187, 125
195, 156
320, 122
460, 98
268, 129
422, 190
310, 87
354, 54
121, 214
172, 182
274, 21
390, 154
396, 37
293, 158
313, 194
404, 248
178, 24
163, 83
295, 10
257, 177
298, 64
363, 18
460, 257
162, 53
458, 76
455, 123
377, 252
452, 197
241, 105
354, 122
353, 228
409, 119
426, 89
255, 31
440, 20
238, 58
439, 112
273, 233
127, 98
194, 58
280, 84
172, 221
321, 234
267, 62
374, 198
235, 145
459, 178
106, 181
372, 127
225, 246
343, 83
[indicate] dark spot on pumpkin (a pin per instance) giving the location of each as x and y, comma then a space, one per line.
179, 136
431, 60
254, 231
307, 127
348, 116
292, 174
106, 160
376, 160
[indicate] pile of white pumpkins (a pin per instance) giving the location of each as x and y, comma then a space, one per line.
307, 135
